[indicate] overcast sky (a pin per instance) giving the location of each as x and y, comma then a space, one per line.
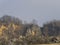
27, 10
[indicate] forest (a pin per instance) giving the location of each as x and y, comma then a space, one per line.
14, 32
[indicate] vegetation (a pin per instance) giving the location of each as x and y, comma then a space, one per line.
14, 32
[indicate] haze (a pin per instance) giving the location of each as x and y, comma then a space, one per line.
27, 10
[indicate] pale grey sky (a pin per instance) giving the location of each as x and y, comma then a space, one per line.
41, 10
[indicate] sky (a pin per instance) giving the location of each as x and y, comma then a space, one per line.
27, 10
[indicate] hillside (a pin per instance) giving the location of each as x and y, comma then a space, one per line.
47, 44
52, 28
13, 31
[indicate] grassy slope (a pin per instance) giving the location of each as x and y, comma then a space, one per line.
47, 44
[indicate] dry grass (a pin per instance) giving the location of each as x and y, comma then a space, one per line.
47, 44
